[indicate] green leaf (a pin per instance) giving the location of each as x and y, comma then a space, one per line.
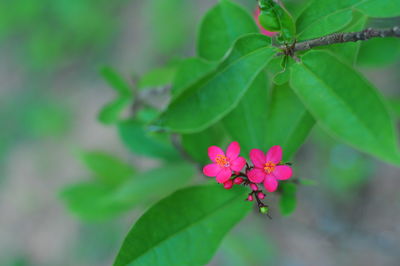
94, 201
184, 228
159, 77
215, 95
394, 104
379, 52
196, 144
323, 17
221, 26
136, 138
107, 168
116, 81
247, 123
190, 70
111, 113
345, 104
287, 202
289, 123
379, 8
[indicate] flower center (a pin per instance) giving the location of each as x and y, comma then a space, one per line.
269, 167
222, 161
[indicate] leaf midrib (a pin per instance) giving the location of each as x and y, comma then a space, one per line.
179, 231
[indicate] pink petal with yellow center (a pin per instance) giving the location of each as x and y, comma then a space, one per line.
282, 172
274, 154
257, 157
214, 151
233, 150
224, 175
238, 164
270, 183
256, 175
211, 169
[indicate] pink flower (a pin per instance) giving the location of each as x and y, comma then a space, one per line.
263, 31
267, 168
224, 164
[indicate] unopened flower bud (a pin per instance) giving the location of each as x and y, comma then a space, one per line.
237, 173
250, 198
253, 187
228, 184
264, 209
260, 195
238, 180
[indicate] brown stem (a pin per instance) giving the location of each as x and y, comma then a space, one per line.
342, 38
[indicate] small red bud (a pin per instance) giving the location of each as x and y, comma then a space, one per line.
238, 180
260, 195
237, 173
250, 198
253, 187
228, 184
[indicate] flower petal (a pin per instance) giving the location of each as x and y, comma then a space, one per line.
270, 183
274, 154
211, 169
282, 172
213, 151
238, 164
224, 175
233, 150
257, 157
256, 175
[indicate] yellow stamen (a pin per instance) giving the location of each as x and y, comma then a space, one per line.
222, 161
269, 167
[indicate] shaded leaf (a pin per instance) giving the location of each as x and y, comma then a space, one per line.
287, 202
289, 123
137, 139
379, 52
116, 81
185, 228
94, 201
111, 113
107, 168
159, 77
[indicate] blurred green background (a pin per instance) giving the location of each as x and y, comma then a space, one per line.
51, 91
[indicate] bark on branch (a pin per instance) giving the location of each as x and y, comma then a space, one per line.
342, 38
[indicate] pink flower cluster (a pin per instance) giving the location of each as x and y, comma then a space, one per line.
267, 168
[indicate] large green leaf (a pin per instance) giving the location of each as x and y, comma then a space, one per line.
184, 228
94, 201
190, 70
215, 95
247, 123
136, 138
221, 26
107, 168
379, 52
379, 8
323, 17
289, 123
345, 104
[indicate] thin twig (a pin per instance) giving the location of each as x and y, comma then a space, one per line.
341, 38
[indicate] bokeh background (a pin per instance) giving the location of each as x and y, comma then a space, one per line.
50, 95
